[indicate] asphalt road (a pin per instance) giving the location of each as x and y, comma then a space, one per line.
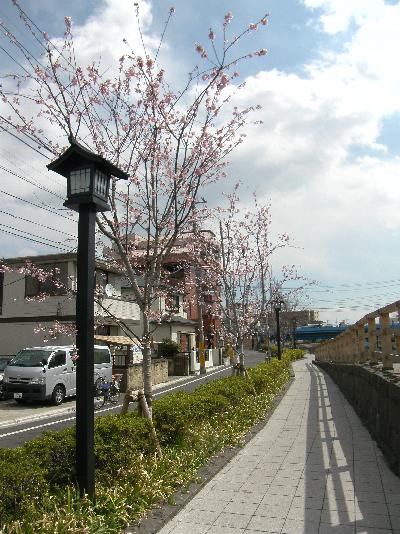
15, 434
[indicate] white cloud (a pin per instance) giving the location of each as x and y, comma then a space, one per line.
340, 208
338, 14
102, 34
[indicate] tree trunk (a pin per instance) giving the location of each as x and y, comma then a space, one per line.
241, 357
146, 350
147, 414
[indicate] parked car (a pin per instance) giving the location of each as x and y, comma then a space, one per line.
3, 364
44, 373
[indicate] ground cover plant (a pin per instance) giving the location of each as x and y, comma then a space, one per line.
37, 479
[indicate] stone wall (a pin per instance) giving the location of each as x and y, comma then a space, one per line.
376, 399
132, 377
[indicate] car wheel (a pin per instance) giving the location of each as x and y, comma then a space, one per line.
58, 395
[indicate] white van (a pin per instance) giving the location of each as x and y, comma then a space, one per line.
41, 373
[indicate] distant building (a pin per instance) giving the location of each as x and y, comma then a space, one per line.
303, 317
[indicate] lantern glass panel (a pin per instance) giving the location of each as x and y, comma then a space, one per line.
79, 181
101, 183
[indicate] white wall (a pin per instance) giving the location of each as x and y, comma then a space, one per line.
17, 336
15, 305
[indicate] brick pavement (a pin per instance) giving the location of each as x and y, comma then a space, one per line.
313, 469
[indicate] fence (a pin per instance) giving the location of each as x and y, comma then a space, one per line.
374, 339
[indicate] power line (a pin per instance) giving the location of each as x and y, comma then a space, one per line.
54, 212
373, 285
30, 233
31, 182
12, 158
37, 224
23, 140
34, 240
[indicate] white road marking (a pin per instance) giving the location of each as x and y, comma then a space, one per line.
106, 409
191, 381
36, 427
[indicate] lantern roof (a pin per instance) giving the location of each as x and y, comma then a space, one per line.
78, 156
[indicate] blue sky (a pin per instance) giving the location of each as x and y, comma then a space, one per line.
328, 154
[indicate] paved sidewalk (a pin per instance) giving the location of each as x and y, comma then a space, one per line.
313, 469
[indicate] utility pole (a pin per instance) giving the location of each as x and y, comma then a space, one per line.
294, 324
199, 299
278, 306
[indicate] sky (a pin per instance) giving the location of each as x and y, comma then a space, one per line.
327, 156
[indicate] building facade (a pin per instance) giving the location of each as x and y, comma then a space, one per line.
37, 311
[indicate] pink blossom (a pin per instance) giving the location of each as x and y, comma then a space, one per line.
261, 52
228, 17
264, 21
68, 23
211, 35
104, 89
200, 50
252, 26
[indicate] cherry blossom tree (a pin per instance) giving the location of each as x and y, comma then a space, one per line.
241, 273
172, 143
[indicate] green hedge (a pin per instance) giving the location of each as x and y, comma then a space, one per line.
37, 479
295, 354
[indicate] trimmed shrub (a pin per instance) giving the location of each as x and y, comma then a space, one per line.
23, 484
170, 417
54, 454
168, 348
119, 440
294, 354
273, 349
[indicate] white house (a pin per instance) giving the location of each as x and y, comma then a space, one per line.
25, 317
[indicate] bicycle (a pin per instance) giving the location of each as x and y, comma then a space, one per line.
106, 392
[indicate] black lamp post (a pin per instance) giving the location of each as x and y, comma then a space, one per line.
88, 181
278, 307
294, 325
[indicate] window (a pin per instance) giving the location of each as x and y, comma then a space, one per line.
103, 330
80, 181
102, 355
59, 358
176, 302
54, 285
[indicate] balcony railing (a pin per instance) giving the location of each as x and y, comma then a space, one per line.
121, 309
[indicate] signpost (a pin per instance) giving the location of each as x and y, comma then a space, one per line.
202, 355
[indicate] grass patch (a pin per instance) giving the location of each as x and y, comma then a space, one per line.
37, 480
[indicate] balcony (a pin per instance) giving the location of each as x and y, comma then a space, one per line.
121, 309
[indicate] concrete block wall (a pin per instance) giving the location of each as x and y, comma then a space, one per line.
133, 376
376, 399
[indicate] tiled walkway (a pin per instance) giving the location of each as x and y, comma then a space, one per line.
312, 469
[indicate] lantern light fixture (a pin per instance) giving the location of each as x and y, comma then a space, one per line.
88, 176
